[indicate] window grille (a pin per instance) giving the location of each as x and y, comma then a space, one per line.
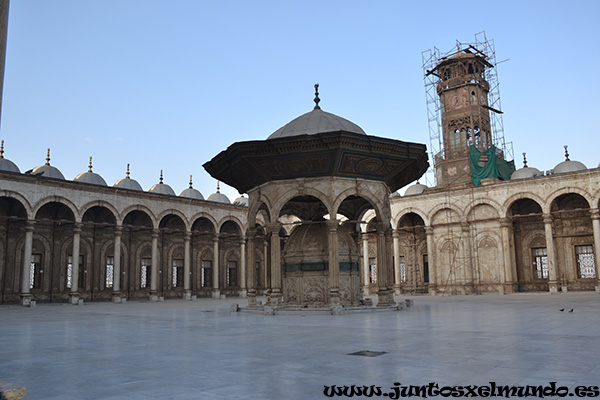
110, 271
373, 270
35, 271
586, 266
231, 273
206, 275
540, 262
177, 273
402, 269
144, 272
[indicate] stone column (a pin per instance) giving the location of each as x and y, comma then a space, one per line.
116, 294
276, 294
596, 228
365, 264
266, 265
468, 273
216, 294
552, 270
74, 295
384, 267
187, 237
432, 288
509, 279
397, 271
154, 267
251, 268
334, 263
243, 292
26, 271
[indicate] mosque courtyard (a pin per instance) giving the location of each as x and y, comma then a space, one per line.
199, 349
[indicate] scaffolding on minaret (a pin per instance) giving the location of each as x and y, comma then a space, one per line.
430, 59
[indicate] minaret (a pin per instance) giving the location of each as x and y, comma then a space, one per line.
465, 112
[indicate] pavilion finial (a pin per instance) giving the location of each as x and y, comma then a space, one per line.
127, 173
48, 157
566, 153
191, 182
524, 160
218, 188
317, 100
90, 166
2, 149
161, 177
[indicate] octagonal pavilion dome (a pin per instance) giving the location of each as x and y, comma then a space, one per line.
128, 183
316, 121
5, 164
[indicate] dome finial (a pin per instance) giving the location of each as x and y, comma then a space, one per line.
524, 160
566, 153
90, 166
218, 189
2, 149
317, 100
127, 173
161, 178
48, 157
191, 182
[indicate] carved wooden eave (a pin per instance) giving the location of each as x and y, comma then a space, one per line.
245, 165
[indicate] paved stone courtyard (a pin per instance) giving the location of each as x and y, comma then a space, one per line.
200, 350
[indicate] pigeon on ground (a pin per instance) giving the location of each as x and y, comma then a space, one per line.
571, 310
561, 310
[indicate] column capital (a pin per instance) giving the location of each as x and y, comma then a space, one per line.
187, 236
30, 225
154, 233
395, 234
429, 230
465, 226
251, 233
118, 230
77, 227
547, 218
333, 224
595, 213
272, 228
505, 222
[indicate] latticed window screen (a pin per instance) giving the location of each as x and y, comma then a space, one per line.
177, 273
206, 275
110, 271
586, 267
35, 271
402, 269
145, 271
373, 270
540, 262
70, 271
231, 273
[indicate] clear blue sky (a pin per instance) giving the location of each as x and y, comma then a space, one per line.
167, 84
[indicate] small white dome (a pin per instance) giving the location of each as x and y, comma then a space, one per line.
525, 172
417, 188
6, 165
568, 165
161, 187
219, 198
48, 171
90, 177
128, 183
191, 193
241, 201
